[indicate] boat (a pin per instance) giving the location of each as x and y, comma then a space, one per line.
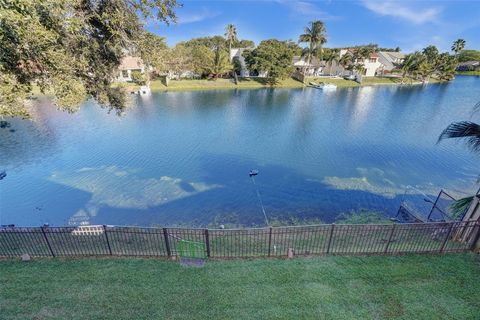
3, 174
253, 173
324, 86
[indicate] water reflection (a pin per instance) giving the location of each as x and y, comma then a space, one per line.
183, 157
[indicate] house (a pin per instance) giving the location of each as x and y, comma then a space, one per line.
236, 53
469, 66
127, 65
389, 61
312, 68
370, 65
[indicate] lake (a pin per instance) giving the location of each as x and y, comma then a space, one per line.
183, 158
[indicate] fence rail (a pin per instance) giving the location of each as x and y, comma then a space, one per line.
333, 239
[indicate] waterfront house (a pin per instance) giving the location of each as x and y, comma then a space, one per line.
389, 60
370, 64
236, 54
312, 68
469, 66
127, 66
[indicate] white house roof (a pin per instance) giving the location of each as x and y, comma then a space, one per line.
299, 61
392, 55
131, 63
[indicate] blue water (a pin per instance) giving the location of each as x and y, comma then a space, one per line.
183, 157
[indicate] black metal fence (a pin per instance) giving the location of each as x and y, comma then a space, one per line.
336, 239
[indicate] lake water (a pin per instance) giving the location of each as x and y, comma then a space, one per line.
184, 157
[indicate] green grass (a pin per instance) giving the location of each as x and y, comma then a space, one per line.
469, 73
255, 83
367, 81
244, 83
406, 287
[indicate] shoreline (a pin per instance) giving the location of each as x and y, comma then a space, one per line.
249, 83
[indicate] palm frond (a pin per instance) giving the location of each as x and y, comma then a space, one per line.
458, 208
465, 130
476, 107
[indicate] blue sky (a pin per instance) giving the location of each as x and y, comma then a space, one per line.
411, 25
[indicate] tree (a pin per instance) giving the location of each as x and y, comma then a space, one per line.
408, 65
333, 55
346, 61
153, 50
177, 60
458, 46
315, 36
230, 36
469, 132
70, 48
273, 57
469, 55
244, 44
429, 63
138, 77
218, 63
446, 66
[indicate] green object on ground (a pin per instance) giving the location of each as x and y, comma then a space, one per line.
191, 249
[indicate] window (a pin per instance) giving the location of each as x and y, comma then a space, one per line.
125, 73
372, 60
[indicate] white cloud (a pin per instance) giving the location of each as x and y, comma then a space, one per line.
198, 16
402, 11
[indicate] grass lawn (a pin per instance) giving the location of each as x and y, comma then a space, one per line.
405, 287
368, 81
469, 73
244, 83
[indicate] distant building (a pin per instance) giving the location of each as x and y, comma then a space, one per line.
469, 66
370, 64
312, 68
389, 61
128, 65
236, 53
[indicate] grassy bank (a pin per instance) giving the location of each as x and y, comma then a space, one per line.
368, 81
244, 83
407, 287
469, 73
256, 83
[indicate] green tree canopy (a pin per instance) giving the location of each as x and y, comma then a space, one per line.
273, 57
469, 55
70, 48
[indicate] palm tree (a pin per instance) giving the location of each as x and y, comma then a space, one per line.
407, 66
332, 56
458, 46
346, 61
316, 36
470, 133
464, 130
230, 36
446, 66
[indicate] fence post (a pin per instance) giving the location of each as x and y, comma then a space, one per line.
167, 242
476, 239
270, 241
390, 236
434, 206
48, 242
207, 242
446, 238
330, 238
106, 238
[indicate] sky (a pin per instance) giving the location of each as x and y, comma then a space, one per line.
411, 25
